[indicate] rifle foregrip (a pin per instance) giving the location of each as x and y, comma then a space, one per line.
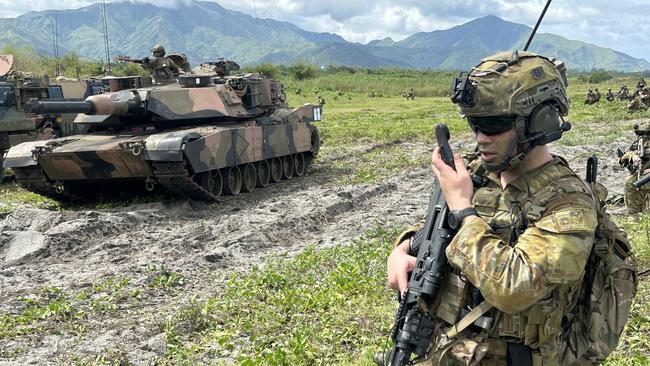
641, 182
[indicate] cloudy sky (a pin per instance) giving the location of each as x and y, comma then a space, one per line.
621, 25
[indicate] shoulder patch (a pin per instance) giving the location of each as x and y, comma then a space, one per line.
569, 220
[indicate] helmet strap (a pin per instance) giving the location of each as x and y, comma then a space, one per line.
519, 148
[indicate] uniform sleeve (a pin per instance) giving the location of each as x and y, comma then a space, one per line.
554, 251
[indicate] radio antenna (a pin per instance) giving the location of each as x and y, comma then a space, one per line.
530, 39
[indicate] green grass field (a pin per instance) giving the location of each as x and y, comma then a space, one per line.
331, 306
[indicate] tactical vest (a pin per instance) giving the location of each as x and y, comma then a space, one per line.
509, 212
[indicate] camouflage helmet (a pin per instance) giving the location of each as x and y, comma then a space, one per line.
158, 50
642, 128
521, 87
513, 84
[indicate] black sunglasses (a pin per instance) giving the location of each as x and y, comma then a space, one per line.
492, 125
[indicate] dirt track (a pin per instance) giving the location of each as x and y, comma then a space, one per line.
204, 243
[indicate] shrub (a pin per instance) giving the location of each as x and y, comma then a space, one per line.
302, 70
599, 76
268, 69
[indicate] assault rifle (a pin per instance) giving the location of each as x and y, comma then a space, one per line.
413, 325
123, 59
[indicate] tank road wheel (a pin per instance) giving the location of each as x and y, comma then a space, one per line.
232, 180
263, 173
299, 165
217, 183
287, 166
249, 178
276, 170
210, 181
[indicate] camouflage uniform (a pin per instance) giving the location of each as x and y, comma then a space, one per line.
610, 95
636, 105
623, 93
530, 284
162, 68
411, 94
636, 200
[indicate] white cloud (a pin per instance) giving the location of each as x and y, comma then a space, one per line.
620, 25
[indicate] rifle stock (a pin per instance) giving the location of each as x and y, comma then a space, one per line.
414, 326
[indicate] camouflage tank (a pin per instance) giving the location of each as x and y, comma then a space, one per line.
15, 89
200, 137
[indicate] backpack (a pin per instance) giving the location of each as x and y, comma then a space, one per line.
597, 320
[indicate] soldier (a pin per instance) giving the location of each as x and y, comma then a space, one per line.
321, 101
163, 69
525, 235
340, 92
371, 94
610, 95
298, 91
636, 105
624, 93
637, 160
411, 94
589, 98
316, 91
596, 97
641, 84
404, 94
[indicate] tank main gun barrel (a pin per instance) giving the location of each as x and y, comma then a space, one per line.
102, 104
44, 107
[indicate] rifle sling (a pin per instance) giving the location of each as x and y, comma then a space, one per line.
468, 319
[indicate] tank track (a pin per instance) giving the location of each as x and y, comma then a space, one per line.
33, 179
175, 177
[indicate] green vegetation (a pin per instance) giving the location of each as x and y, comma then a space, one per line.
302, 70
50, 307
321, 307
69, 65
13, 196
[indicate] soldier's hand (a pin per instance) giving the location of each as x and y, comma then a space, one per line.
456, 185
400, 263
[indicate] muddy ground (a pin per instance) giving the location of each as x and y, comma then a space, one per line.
74, 249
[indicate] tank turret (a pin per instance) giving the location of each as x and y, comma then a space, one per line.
199, 137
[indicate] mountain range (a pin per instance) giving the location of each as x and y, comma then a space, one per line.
206, 31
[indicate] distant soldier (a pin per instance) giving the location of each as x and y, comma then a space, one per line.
321, 101
644, 95
298, 91
596, 96
641, 84
637, 161
316, 91
163, 69
371, 94
340, 92
610, 95
411, 94
624, 93
404, 94
589, 98
636, 105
